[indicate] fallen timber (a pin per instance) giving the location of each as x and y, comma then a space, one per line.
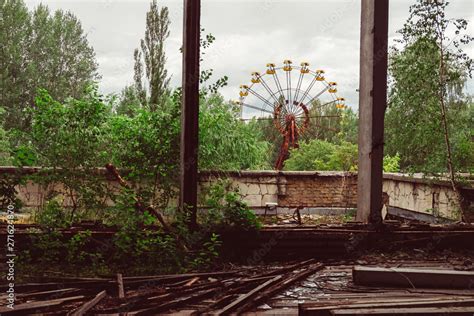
247, 290
227, 292
415, 278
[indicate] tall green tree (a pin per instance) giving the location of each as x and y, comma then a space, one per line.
151, 77
63, 60
428, 115
15, 32
426, 97
41, 49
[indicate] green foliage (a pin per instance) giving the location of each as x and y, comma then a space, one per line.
147, 146
151, 76
239, 147
319, 155
324, 156
208, 254
391, 163
78, 252
8, 192
226, 210
129, 102
349, 126
53, 215
142, 250
40, 49
5, 146
70, 139
345, 157
429, 120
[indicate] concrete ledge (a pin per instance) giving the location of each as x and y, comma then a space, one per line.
419, 216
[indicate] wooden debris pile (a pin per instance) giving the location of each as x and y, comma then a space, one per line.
451, 293
219, 293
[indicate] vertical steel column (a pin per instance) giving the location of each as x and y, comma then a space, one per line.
190, 109
372, 105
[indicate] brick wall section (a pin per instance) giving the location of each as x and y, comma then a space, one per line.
320, 190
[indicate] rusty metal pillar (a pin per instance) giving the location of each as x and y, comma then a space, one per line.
372, 105
190, 109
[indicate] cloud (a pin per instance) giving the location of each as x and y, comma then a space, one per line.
249, 34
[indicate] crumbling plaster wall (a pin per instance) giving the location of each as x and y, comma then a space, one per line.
429, 196
304, 188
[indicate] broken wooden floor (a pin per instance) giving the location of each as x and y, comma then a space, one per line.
311, 287
258, 286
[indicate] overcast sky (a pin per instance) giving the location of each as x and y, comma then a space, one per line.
249, 34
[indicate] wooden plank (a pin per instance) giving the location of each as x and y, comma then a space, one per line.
182, 276
372, 105
121, 292
278, 287
469, 311
28, 287
325, 308
190, 109
33, 306
180, 302
412, 278
247, 297
192, 281
90, 304
55, 293
288, 268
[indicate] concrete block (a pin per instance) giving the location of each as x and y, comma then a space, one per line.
253, 189
254, 200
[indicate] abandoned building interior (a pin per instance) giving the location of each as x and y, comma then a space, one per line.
408, 250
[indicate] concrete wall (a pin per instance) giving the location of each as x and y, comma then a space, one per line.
307, 189
422, 195
291, 188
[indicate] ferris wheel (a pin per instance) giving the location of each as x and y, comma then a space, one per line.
287, 94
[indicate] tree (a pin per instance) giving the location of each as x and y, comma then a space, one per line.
5, 148
15, 26
70, 138
41, 50
63, 61
312, 155
147, 145
427, 110
226, 143
128, 102
322, 155
151, 57
428, 76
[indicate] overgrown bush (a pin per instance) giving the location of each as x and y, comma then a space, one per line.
325, 156
227, 211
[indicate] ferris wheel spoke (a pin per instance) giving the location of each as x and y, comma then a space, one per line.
265, 85
256, 108
327, 103
299, 111
261, 98
305, 94
298, 86
280, 89
288, 89
319, 94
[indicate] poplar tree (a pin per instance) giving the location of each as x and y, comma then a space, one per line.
150, 74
